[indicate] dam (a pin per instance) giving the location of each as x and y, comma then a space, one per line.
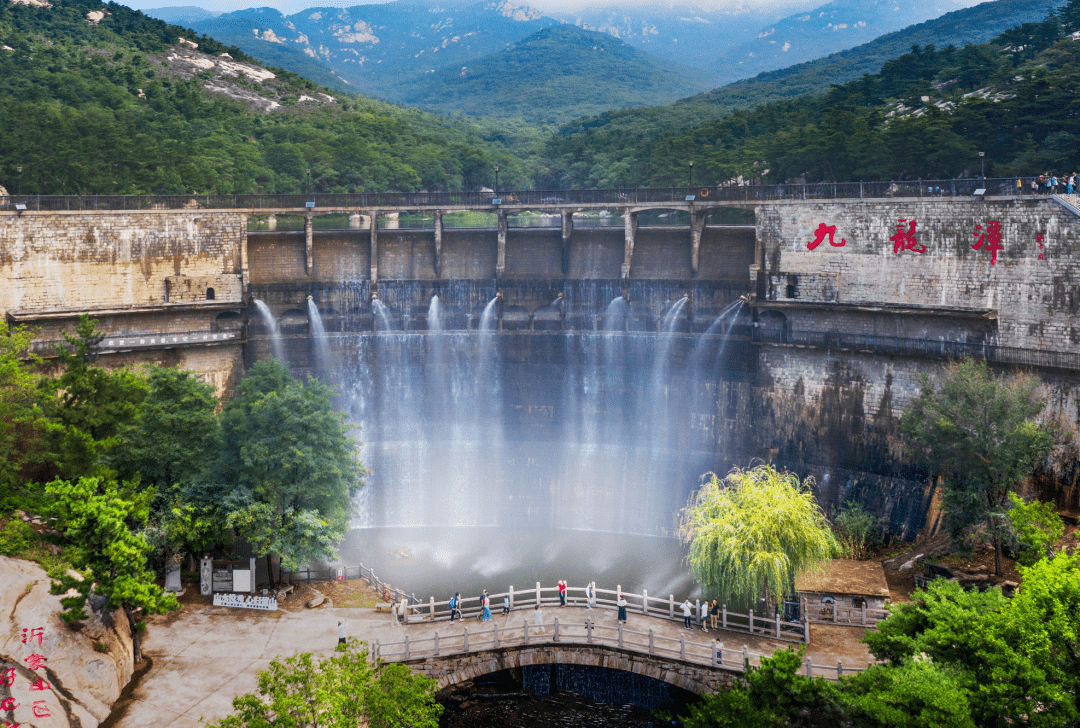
579, 377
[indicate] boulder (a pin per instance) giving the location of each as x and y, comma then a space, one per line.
315, 601
86, 668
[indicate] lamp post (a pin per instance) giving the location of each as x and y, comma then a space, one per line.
691, 173
19, 170
496, 178
307, 180
982, 166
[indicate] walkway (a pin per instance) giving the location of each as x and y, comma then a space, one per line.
630, 198
203, 657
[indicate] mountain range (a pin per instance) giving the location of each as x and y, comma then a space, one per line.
833, 27
551, 77
375, 48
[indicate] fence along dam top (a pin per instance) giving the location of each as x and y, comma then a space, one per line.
628, 198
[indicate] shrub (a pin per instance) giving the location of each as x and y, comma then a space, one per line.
1037, 527
15, 537
856, 531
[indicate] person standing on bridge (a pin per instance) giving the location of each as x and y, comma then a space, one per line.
562, 593
506, 604
621, 604
538, 618
455, 606
687, 614
714, 614
590, 593
485, 602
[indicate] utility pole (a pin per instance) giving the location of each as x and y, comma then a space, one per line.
19, 170
691, 173
496, 178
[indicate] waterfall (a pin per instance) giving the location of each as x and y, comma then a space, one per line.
318, 331
271, 326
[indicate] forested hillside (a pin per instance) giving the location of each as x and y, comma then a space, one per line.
554, 75
1013, 98
621, 131
114, 104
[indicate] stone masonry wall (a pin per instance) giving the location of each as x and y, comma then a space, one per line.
1032, 286
87, 260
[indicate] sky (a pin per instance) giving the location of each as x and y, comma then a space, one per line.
288, 7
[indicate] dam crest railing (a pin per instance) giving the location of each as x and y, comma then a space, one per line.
729, 194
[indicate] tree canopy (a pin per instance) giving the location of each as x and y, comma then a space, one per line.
978, 432
339, 691
102, 521
753, 533
288, 467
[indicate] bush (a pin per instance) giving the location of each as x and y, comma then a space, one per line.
15, 537
1037, 527
856, 531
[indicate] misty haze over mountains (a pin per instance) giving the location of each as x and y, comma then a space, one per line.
380, 49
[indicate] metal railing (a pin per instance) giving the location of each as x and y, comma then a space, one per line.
680, 196
918, 347
344, 573
712, 654
125, 342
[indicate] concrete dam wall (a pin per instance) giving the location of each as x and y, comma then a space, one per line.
643, 395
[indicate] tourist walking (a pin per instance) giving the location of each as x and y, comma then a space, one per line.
538, 618
687, 613
719, 647
621, 604
714, 614
703, 615
485, 603
342, 626
455, 606
1034, 186
506, 604
590, 593
562, 593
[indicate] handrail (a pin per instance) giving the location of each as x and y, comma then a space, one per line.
586, 633
628, 197
919, 347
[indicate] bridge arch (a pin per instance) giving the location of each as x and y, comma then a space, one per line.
451, 670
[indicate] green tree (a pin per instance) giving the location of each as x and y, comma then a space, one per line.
288, 467
856, 530
774, 694
1016, 659
752, 534
1036, 526
917, 694
101, 520
21, 418
175, 434
86, 405
978, 433
340, 691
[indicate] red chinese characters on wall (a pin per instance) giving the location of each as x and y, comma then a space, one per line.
821, 233
989, 239
905, 238
1040, 240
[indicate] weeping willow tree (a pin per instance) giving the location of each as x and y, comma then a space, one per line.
753, 532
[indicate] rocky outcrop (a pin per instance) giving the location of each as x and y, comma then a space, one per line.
85, 669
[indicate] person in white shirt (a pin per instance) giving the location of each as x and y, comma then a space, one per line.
687, 613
